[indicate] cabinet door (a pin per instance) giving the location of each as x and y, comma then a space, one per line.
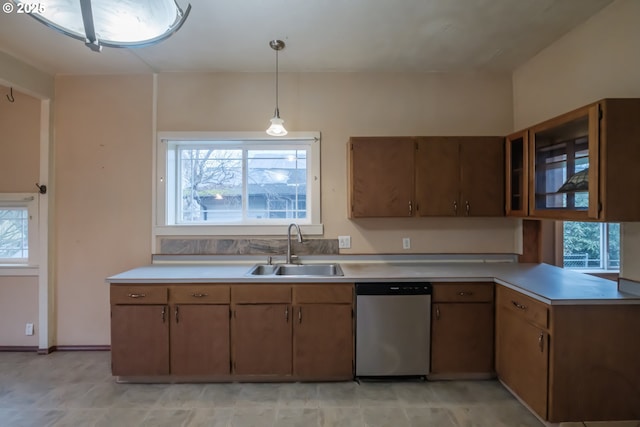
522, 358
261, 336
517, 174
381, 173
438, 177
462, 338
323, 341
482, 176
200, 339
139, 340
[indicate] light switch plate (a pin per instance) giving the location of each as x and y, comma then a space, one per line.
344, 242
406, 243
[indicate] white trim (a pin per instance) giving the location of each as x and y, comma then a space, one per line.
13, 270
154, 169
46, 301
161, 217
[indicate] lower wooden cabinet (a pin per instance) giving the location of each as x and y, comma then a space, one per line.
276, 331
139, 339
462, 325
200, 339
261, 335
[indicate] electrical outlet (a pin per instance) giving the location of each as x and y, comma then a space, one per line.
344, 242
28, 330
406, 243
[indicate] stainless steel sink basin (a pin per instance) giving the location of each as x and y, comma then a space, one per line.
309, 270
296, 270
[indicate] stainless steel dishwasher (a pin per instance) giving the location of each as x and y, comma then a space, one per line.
393, 329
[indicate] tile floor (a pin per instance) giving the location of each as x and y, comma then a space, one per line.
77, 389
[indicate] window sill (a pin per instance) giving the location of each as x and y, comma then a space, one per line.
18, 270
236, 230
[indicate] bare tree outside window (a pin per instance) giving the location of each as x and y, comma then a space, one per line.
14, 242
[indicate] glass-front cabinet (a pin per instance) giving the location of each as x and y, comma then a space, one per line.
582, 165
517, 178
564, 161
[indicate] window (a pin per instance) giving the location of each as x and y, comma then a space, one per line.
213, 183
591, 246
18, 229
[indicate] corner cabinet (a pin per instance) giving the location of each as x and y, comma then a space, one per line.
582, 164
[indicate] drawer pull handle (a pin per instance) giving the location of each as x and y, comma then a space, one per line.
464, 294
299, 314
199, 295
164, 312
518, 305
177, 309
286, 314
455, 208
438, 312
137, 295
468, 206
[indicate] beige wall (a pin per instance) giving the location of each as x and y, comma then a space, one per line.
348, 104
19, 171
103, 174
600, 59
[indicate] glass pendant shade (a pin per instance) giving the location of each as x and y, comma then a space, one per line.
277, 126
111, 23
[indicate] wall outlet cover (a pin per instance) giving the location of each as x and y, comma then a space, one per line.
406, 243
28, 330
344, 242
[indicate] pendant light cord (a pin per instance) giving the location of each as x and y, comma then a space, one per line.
277, 108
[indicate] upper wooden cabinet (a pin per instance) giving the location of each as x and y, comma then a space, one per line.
381, 176
460, 176
582, 164
426, 176
517, 174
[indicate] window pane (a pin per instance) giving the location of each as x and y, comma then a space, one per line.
613, 247
583, 245
14, 241
277, 183
211, 185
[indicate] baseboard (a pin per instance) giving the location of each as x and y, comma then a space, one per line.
16, 348
80, 348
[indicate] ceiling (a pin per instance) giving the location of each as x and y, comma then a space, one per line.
321, 35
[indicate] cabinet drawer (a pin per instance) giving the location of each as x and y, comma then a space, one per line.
529, 309
138, 294
319, 294
200, 294
462, 292
260, 293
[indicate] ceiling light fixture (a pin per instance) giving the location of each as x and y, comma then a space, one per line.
277, 124
111, 23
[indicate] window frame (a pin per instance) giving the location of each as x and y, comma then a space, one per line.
604, 244
162, 225
30, 201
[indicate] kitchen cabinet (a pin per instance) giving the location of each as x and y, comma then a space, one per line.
566, 361
261, 329
460, 176
381, 176
139, 330
323, 331
199, 334
517, 174
522, 347
462, 329
583, 163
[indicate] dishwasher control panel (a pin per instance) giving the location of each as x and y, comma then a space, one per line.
407, 288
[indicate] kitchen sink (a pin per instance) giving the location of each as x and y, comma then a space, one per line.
296, 270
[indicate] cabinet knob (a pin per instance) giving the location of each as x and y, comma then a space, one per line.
464, 294
410, 208
438, 312
164, 312
468, 207
455, 207
518, 305
541, 342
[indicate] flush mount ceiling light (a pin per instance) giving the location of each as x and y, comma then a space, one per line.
111, 23
277, 124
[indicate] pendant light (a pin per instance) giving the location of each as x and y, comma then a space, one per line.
277, 124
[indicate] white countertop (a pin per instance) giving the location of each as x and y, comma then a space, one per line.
549, 284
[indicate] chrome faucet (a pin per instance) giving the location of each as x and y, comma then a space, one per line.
289, 240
